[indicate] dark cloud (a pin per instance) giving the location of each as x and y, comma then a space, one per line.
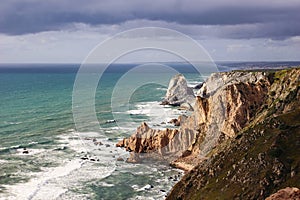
230, 19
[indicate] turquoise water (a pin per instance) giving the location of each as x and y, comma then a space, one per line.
36, 116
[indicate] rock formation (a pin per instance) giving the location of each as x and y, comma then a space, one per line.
178, 92
238, 142
230, 101
147, 140
258, 153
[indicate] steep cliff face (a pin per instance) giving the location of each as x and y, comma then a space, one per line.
257, 153
242, 140
225, 104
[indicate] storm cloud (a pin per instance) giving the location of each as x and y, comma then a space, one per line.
223, 19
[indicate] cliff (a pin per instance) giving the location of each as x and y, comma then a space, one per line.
241, 140
261, 154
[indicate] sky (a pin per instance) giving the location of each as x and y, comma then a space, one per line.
65, 31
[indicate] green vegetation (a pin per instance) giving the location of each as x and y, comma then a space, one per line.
261, 159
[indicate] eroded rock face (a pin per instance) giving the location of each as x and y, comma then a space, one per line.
178, 92
260, 157
147, 140
226, 103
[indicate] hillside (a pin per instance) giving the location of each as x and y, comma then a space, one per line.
261, 158
241, 141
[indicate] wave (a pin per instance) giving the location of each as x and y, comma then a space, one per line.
53, 182
36, 187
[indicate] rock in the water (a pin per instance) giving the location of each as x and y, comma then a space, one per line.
110, 121
147, 140
178, 92
175, 122
25, 152
98, 143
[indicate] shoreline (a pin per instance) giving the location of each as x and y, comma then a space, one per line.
245, 91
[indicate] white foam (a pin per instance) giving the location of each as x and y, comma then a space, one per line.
73, 142
104, 184
35, 188
162, 89
146, 187
3, 148
12, 123
140, 112
54, 183
15, 147
163, 113
30, 143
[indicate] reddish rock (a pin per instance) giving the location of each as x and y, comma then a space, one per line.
289, 193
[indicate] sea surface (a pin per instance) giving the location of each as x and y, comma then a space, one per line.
45, 155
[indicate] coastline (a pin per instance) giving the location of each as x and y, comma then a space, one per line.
241, 89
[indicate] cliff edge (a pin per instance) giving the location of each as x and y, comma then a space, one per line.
261, 154
241, 141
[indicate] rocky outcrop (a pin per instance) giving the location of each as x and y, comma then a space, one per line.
240, 139
255, 157
147, 140
286, 194
226, 103
179, 93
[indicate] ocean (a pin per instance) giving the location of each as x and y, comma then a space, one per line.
44, 154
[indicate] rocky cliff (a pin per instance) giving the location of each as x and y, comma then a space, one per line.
240, 141
261, 152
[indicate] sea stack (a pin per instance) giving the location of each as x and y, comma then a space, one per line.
179, 93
